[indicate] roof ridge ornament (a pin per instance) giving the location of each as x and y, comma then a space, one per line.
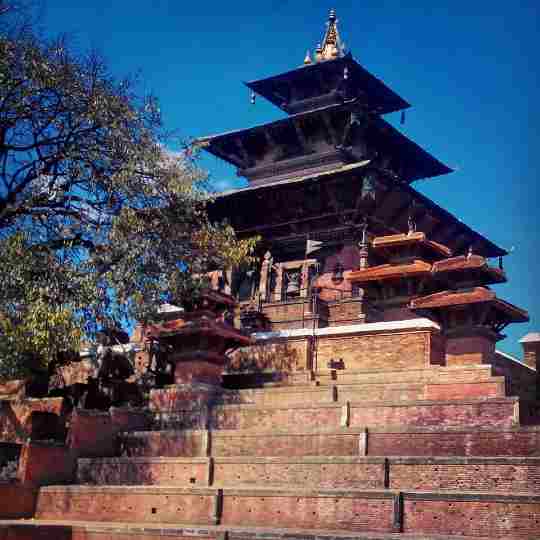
331, 46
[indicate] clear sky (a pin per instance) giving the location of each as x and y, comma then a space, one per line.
470, 70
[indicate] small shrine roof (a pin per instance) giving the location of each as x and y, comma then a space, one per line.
180, 327
473, 296
390, 271
407, 239
469, 262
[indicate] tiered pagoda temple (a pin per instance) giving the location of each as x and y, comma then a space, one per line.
369, 400
330, 192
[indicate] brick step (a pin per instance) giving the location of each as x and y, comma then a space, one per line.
504, 474
371, 391
466, 513
84, 530
503, 412
434, 373
345, 441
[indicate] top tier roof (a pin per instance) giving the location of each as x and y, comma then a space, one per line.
330, 78
331, 82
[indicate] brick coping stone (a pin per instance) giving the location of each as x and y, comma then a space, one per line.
226, 532
272, 491
402, 460
333, 430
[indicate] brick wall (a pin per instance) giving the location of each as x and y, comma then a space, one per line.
469, 350
345, 312
17, 501
377, 351
521, 380
44, 463
277, 355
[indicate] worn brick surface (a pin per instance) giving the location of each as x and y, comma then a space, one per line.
143, 471
507, 476
376, 351
163, 443
275, 355
311, 472
475, 518
251, 417
495, 388
343, 511
491, 412
144, 504
466, 442
284, 444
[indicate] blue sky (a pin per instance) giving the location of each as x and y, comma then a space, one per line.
470, 70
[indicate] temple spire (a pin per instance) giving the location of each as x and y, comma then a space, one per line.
331, 47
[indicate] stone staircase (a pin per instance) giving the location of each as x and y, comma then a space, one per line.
335, 454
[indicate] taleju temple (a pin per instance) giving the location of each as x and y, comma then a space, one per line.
347, 387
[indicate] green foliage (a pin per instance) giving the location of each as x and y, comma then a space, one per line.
99, 223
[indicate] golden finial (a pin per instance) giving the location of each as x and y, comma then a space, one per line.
318, 53
331, 46
307, 59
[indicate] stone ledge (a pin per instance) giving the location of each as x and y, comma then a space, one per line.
139, 489
130, 460
368, 404
233, 533
335, 431
272, 491
471, 496
412, 325
309, 460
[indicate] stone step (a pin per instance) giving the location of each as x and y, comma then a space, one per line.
503, 412
384, 511
503, 474
431, 374
371, 391
337, 441
84, 530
